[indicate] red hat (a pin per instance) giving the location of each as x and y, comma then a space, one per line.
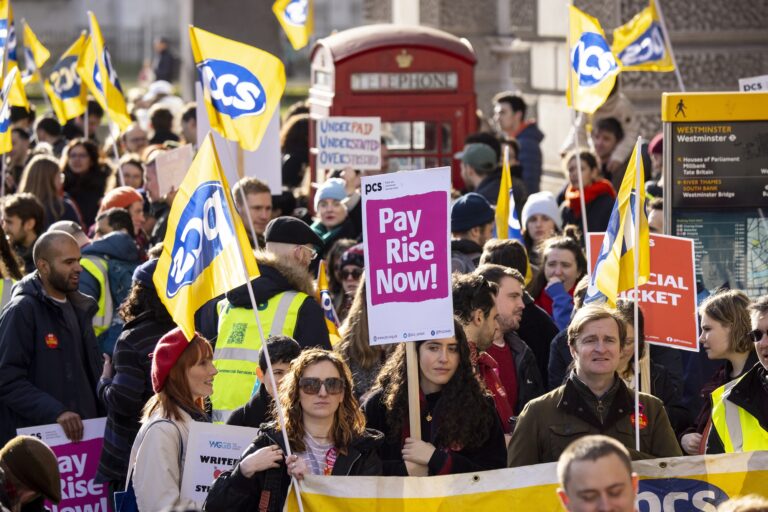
167, 352
120, 197
656, 146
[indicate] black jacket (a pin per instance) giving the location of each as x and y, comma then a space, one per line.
128, 390
751, 394
255, 412
444, 461
44, 370
233, 492
537, 330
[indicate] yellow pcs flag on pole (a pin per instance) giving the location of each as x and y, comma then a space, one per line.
6, 143
614, 270
109, 92
17, 95
639, 44
592, 67
297, 19
35, 55
202, 249
326, 302
64, 86
242, 86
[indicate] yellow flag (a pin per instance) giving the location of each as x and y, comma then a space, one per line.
326, 302
17, 96
109, 92
592, 67
202, 247
639, 44
63, 85
297, 19
242, 86
35, 55
614, 270
5, 111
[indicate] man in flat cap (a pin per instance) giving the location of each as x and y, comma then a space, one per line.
284, 295
31, 473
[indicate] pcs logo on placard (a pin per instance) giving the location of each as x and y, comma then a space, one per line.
657, 495
592, 60
649, 47
372, 187
296, 12
235, 91
204, 230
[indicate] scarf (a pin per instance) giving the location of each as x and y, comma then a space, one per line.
487, 369
592, 191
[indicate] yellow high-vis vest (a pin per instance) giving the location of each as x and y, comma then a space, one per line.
738, 430
237, 348
97, 267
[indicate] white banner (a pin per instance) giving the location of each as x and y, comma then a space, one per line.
349, 142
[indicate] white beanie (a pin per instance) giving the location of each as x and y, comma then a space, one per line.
542, 203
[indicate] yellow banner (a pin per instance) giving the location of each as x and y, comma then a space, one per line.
35, 55
63, 85
679, 483
297, 19
639, 44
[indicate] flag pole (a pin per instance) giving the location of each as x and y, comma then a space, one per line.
252, 296
244, 204
85, 119
669, 45
578, 151
636, 254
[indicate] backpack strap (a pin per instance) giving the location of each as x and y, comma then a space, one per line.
181, 449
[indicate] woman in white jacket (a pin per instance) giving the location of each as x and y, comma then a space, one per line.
182, 378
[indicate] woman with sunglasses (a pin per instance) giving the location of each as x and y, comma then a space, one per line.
460, 430
352, 267
326, 431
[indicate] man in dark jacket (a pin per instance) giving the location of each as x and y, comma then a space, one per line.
509, 114
49, 361
471, 226
517, 364
594, 400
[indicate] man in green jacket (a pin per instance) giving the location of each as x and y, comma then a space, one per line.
594, 400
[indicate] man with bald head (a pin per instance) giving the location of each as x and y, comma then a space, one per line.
49, 360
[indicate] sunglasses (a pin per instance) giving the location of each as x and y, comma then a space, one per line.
757, 335
311, 385
354, 273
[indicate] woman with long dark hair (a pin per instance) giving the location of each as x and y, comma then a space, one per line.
85, 177
42, 177
326, 431
460, 430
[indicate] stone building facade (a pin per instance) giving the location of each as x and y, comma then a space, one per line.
521, 45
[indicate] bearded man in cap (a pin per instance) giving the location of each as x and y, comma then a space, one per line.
284, 294
31, 474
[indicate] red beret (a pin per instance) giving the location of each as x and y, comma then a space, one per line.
120, 197
167, 352
656, 146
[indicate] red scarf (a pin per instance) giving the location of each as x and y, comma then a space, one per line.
592, 191
487, 370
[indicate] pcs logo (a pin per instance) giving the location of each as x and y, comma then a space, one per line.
649, 47
10, 36
64, 78
235, 91
110, 71
657, 495
592, 60
204, 230
296, 12
5, 119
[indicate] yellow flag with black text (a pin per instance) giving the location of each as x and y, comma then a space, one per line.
64, 86
17, 96
326, 302
96, 63
297, 19
35, 55
242, 86
202, 249
6, 143
592, 67
639, 44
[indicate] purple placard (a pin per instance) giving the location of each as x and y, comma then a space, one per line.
407, 248
78, 463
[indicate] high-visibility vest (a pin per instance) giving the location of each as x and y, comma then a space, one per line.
98, 268
738, 429
5, 291
237, 348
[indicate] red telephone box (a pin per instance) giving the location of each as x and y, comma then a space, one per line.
418, 80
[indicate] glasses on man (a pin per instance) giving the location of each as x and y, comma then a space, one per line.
355, 273
312, 385
312, 252
757, 334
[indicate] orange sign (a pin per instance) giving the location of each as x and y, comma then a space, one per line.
668, 299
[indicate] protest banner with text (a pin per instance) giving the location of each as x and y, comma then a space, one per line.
668, 299
211, 450
78, 463
349, 142
407, 249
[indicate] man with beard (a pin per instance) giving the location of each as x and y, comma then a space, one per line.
49, 360
517, 368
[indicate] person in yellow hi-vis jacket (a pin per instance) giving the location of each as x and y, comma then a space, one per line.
740, 407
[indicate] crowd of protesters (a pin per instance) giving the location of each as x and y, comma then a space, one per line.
530, 368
